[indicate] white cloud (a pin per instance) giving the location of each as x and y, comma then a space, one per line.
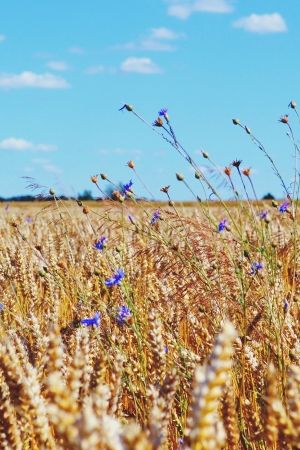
2, 37
52, 168
58, 65
183, 9
32, 80
76, 50
23, 145
153, 41
263, 24
140, 65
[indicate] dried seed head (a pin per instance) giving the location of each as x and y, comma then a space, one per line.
158, 123
165, 189
284, 119
85, 210
236, 162
227, 171
94, 179
246, 172
130, 164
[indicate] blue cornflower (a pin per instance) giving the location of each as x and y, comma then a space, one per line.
155, 217
126, 187
115, 280
93, 321
286, 305
166, 349
222, 225
283, 207
163, 112
255, 267
263, 214
100, 243
6, 207
1, 306
180, 442
28, 220
123, 314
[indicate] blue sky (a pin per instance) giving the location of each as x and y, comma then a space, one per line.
66, 67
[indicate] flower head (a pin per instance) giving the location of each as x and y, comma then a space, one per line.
284, 119
127, 187
236, 162
255, 267
123, 314
1, 306
164, 112
28, 220
6, 207
292, 105
283, 207
263, 214
158, 123
130, 164
246, 172
94, 179
155, 217
116, 279
93, 321
131, 220
227, 171
100, 243
165, 189
222, 225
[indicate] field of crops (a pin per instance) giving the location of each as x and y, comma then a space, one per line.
193, 332
133, 325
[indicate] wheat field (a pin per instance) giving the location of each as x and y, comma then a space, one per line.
167, 334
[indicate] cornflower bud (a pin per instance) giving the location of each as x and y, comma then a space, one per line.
197, 175
130, 164
236, 162
205, 154
94, 179
179, 177
247, 129
103, 176
85, 210
158, 123
274, 203
235, 121
293, 105
171, 203
51, 191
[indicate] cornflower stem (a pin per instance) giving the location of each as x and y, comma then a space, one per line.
102, 192
144, 184
90, 222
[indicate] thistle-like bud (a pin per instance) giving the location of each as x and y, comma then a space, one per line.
158, 123
274, 203
235, 121
284, 119
227, 171
293, 105
246, 172
179, 176
85, 210
197, 175
103, 176
205, 154
228, 228
130, 164
94, 179
171, 203
51, 191
247, 129
128, 107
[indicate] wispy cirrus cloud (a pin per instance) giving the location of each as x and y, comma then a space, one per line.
76, 50
32, 80
2, 37
46, 164
140, 65
155, 40
182, 9
58, 65
100, 69
17, 144
262, 24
